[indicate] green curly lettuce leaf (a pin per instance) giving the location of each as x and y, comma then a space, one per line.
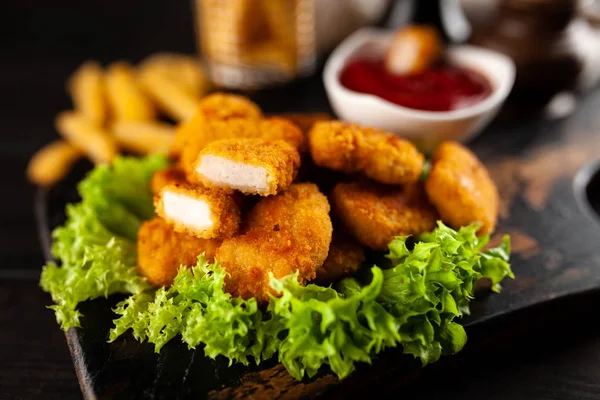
433, 283
96, 246
197, 307
413, 304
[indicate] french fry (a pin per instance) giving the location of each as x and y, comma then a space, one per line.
86, 88
175, 102
126, 99
82, 133
52, 163
183, 70
144, 137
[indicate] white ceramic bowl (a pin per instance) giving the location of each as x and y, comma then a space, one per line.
425, 128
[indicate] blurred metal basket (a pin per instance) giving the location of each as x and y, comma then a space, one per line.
250, 44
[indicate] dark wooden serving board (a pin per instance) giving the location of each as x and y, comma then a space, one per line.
550, 193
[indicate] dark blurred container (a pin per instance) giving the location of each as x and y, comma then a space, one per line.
537, 34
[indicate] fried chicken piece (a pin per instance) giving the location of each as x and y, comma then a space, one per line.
284, 233
199, 211
219, 106
352, 148
461, 189
376, 213
345, 257
252, 166
213, 129
161, 251
163, 177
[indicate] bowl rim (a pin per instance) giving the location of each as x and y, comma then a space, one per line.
345, 51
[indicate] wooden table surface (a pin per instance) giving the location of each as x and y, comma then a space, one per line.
551, 353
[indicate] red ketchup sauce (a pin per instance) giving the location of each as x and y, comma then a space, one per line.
444, 87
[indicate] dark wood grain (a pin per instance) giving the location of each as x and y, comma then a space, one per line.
555, 255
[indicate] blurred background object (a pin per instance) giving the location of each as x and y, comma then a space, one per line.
552, 43
249, 44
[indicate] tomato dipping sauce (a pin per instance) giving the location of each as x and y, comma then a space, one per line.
443, 87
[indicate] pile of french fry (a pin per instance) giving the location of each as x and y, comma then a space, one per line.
121, 108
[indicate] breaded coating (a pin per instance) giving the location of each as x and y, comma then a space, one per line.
214, 106
461, 189
352, 148
161, 251
345, 257
163, 177
213, 129
199, 211
376, 213
252, 166
284, 233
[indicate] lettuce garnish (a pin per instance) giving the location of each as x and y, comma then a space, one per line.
96, 246
413, 304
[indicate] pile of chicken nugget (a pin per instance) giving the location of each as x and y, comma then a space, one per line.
277, 195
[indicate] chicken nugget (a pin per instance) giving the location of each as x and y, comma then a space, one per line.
461, 189
214, 106
252, 166
345, 257
161, 251
352, 148
284, 233
163, 177
213, 129
199, 211
376, 213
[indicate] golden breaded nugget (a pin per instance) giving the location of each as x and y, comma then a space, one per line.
164, 177
199, 211
461, 188
144, 137
284, 233
84, 134
376, 213
252, 166
161, 251
125, 97
345, 257
214, 106
52, 163
352, 148
215, 129
87, 90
